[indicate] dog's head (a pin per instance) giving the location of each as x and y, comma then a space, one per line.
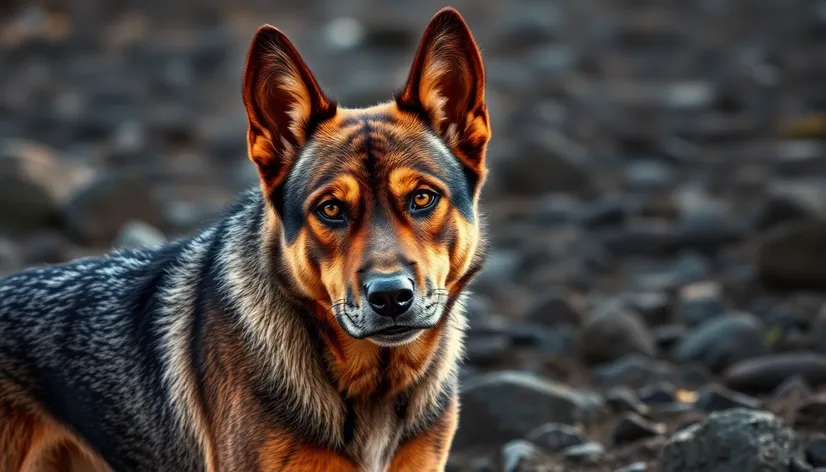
377, 207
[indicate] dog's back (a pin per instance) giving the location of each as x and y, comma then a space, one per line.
80, 340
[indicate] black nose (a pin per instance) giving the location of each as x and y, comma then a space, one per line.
389, 295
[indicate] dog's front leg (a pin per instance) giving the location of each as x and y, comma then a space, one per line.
428, 451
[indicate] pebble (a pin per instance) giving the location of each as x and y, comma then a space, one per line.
816, 452
793, 257
811, 413
660, 393
612, 333
554, 437
515, 453
633, 427
766, 373
635, 467
555, 308
700, 302
623, 399
586, 452
634, 370
136, 234
504, 405
737, 440
723, 341
714, 397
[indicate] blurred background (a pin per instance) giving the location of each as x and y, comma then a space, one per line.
656, 198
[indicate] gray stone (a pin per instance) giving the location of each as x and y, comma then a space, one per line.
136, 234
515, 453
737, 440
793, 257
505, 405
723, 341
554, 437
765, 373
614, 332
700, 302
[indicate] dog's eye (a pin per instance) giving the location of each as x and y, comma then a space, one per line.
423, 199
331, 210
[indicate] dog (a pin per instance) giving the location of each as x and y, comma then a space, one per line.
317, 325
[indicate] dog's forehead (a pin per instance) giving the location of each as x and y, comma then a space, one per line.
369, 145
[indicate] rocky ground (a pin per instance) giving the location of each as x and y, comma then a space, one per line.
657, 201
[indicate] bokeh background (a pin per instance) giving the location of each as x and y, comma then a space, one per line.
656, 198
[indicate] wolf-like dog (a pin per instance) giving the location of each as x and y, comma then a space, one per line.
317, 325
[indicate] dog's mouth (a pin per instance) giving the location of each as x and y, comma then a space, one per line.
365, 324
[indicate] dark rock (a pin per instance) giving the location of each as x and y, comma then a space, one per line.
795, 386
483, 464
700, 302
648, 175
816, 452
554, 437
586, 452
623, 399
635, 370
668, 336
694, 375
47, 247
545, 163
633, 427
818, 332
29, 174
614, 332
766, 373
96, 213
648, 237
793, 257
555, 209
500, 406
713, 398
660, 393
515, 453
486, 349
736, 440
654, 307
811, 413
723, 341
790, 202
555, 308
800, 157
603, 212
708, 228
690, 267
136, 234
635, 467
545, 342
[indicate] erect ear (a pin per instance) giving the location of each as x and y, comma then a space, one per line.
447, 86
284, 104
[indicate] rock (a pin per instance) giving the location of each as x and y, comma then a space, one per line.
793, 257
700, 302
545, 342
650, 237
694, 375
633, 427
9, 259
811, 413
654, 307
648, 175
736, 440
668, 336
723, 341
787, 202
96, 213
136, 234
634, 370
614, 332
795, 386
344, 33
635, 467
554, 437
603, 212
515, 453
692, 95
818, 332
33, 180
816, 452
708, 228
545, 163
714, 397
501, 406
623, 399
556, 308
486, 349
586, 452
766, 373
660, 393
47, 247
556, 209
800, 157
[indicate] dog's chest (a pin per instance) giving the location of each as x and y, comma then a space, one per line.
376, 436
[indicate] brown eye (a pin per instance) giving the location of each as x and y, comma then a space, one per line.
423, 199
331, 211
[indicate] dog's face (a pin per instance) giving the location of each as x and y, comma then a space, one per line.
378, 206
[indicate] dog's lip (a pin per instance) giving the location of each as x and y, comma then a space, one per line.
395, 330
